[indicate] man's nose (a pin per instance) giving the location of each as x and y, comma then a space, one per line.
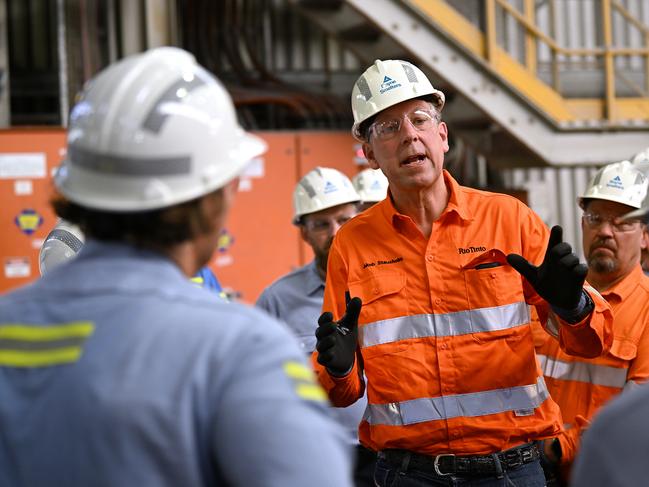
407, 130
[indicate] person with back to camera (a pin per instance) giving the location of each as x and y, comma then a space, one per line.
115, 369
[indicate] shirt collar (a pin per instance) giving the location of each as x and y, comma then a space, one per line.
313, 281
456, 203
626, 286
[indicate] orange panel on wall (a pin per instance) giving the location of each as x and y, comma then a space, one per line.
27, 158
260, 244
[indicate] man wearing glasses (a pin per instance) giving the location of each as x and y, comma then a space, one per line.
612, 246
443, 339
324, 200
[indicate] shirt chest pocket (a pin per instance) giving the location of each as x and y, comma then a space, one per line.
383, 295
492, 282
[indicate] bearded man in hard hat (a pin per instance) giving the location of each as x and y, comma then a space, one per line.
445, 275
372, 187
323, 200
612, 246
114, 368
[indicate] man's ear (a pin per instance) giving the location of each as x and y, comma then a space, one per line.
644, 243
442, 130
369, 155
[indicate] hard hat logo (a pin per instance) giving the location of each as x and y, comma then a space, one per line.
616, 183
330, 187
388, 84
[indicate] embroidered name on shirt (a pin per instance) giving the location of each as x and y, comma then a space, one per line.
382, 262
470, 250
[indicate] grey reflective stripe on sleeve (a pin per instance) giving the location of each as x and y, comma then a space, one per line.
14, 344
601, 375
155, 119
129, 166
460, 405
552, 325
481, 320
67, 238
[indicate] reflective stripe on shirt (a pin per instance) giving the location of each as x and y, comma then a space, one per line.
459, 405
479, 320
36, 346
602, 375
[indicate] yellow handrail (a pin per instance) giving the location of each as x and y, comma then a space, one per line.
533, 35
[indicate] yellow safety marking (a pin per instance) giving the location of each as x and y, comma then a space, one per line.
197, 280
39, 358
298, 371
311, 392
77, 329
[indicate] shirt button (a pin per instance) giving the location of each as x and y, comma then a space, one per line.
443, 346
429, 258
377, 290
438, 301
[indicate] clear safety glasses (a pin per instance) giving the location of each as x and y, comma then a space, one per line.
421, 119
595, 220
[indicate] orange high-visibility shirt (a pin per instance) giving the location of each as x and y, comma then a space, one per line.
581, 386
444, 333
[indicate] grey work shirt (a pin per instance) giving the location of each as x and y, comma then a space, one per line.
115, 369
296, 299
614, 448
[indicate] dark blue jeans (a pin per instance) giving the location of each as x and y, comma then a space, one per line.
526, 475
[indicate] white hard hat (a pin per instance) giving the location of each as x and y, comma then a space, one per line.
322, 188
371, 185
150, 131
386, 83
61, 244
641, 161
620, 182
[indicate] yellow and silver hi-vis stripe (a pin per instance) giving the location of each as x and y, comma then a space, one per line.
41, 346
305, 382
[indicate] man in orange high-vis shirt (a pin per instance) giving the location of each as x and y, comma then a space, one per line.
612, 247
443, 336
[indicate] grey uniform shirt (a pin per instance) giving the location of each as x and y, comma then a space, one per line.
614, 450
296, 299
116, 370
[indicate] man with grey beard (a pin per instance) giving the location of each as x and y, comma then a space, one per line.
612, 246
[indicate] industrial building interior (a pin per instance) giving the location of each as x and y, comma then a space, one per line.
540, 93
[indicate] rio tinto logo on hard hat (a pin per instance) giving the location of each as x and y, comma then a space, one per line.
388, 84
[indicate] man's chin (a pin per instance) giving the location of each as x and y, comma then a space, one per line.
602, 265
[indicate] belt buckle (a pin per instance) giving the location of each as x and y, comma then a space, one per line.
436, 464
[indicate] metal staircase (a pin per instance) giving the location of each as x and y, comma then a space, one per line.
528, 82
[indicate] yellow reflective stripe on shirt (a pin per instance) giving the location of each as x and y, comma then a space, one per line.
305, 382
298, 371
197, 280
38, 346
311, 392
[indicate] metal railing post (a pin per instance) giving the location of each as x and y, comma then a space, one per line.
609, 68
491, 42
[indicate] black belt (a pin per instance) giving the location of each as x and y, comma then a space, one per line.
449, 464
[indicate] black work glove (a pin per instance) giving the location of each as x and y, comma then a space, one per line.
336, 343
560, 278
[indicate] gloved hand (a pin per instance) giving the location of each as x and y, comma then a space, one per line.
560, 278
336, 341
